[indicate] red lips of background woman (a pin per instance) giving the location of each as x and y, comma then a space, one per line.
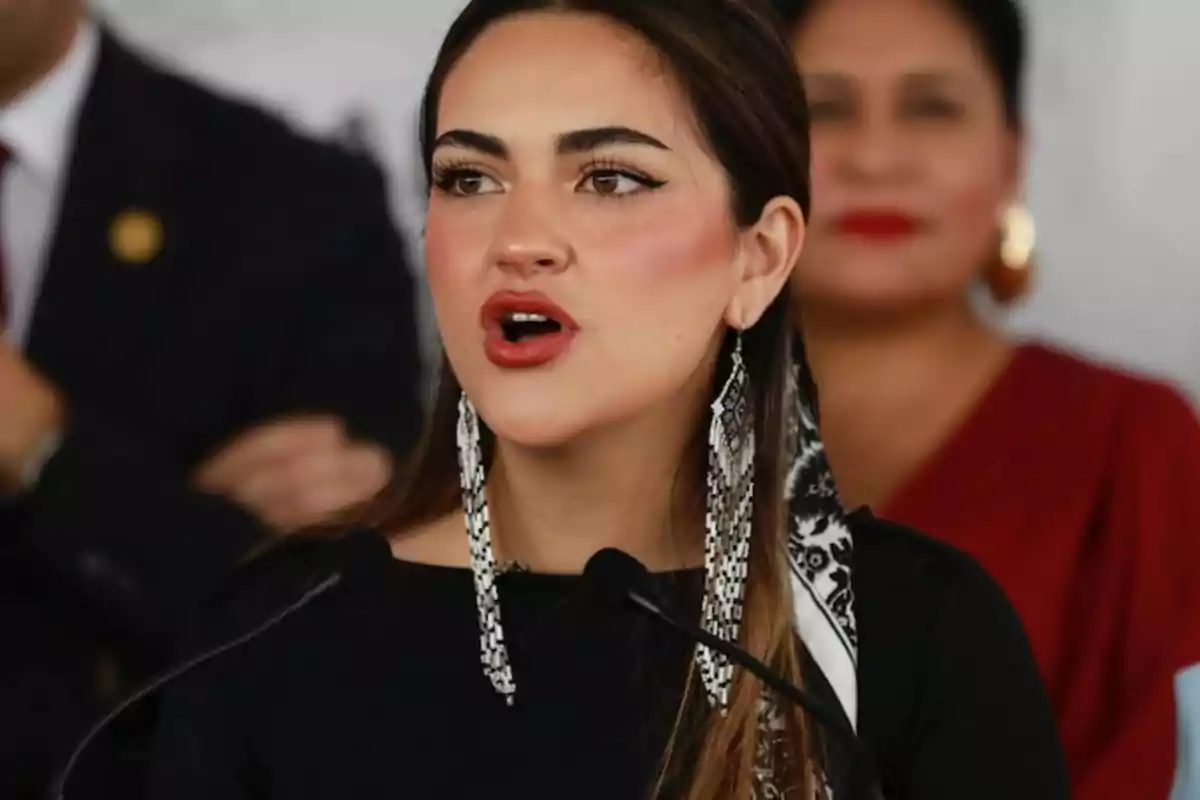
877, 225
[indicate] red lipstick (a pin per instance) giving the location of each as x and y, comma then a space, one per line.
525, 329
877, 225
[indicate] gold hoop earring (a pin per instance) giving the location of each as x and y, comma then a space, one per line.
1010, 276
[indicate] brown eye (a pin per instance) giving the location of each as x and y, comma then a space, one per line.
931, 108
616, 183
465, 182
829, 110
468, 184
606, 183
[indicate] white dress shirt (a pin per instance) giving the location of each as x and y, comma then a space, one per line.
38, 129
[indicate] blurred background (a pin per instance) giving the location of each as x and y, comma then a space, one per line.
1112, 176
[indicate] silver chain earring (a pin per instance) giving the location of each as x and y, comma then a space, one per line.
493, 652
727, 524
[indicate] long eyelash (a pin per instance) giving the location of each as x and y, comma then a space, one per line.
604, 165
444, 175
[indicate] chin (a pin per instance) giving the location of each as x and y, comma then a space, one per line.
878, 300
532, 425
871, 294
870, 282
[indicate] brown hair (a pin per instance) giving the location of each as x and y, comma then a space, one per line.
735, 66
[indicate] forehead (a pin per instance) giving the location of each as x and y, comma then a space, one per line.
884, 37
542, 73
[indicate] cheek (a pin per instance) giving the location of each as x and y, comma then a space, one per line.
658, 285
455, 259
823, 188
456, 242
967, 195
668, 281
453, 241
665, 255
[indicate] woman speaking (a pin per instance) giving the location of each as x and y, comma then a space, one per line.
618, 191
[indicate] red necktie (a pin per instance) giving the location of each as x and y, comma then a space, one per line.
4, 298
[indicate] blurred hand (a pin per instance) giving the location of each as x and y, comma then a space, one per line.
297, 472
31, 412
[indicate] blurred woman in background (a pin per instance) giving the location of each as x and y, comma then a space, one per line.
1073, 483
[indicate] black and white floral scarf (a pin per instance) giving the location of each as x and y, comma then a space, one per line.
820, 546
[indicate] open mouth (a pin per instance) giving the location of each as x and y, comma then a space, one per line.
520, 326
525, 329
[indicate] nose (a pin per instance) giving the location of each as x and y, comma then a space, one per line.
875, 152
529, 236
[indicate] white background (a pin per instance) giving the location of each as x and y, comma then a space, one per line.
1113, 174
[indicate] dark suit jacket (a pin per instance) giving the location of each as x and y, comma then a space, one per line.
281, 286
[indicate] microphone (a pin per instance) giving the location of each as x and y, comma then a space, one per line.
620, 579
354, 555
58, 788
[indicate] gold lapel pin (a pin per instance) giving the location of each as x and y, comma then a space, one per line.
136, 236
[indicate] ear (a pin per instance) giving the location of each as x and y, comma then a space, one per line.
769, 250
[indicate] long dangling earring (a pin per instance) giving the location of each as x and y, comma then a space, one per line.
727, 524
1010, 276
493, 652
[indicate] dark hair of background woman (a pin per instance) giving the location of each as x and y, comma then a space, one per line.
998, 25
737, 71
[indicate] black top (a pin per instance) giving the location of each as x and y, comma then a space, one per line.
374, 688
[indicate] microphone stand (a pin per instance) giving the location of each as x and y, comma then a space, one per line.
862, 772
744, 659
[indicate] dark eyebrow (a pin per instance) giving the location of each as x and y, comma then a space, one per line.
579, 141
472, 140
592, 138
926, 79
930, 80
826, 79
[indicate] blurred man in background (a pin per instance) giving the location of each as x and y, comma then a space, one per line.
203, 314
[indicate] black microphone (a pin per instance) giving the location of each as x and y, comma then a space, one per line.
58, 788
621, 579
353, 555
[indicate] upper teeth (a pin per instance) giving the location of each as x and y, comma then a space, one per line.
525, 316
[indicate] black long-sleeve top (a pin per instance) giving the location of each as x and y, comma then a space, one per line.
374, 689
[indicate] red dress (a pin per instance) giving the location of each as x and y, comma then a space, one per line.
1078, 488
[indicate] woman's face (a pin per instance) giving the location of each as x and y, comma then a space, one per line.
580, 247
913, 160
